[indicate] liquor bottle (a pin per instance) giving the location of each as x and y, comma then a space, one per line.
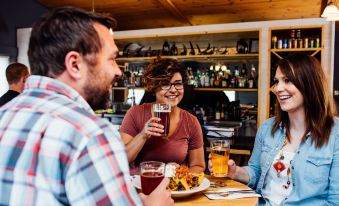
212, 78
236, 76
217, 112
292, 39
224, 80
190, 76
252, 81
222, 112
165, 48
217, 80
243, 71
174, 50
274, 42
207, 79
202, 79
243, 76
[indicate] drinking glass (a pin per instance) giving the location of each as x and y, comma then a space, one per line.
162, 111
220, 152
152, 173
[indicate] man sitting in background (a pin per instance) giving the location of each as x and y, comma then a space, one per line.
54, 150
16, 75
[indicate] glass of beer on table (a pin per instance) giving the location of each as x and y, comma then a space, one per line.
162, 111
151, 174
220, 152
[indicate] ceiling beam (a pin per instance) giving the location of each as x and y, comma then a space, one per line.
169, 6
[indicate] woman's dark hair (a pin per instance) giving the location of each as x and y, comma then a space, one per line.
306, 73
60, 31
162, 70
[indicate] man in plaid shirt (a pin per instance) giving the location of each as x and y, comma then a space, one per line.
53, 148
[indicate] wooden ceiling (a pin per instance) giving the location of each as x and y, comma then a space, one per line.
143, 14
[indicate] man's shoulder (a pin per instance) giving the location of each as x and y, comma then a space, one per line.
8, 96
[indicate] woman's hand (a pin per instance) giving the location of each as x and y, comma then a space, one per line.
153, 128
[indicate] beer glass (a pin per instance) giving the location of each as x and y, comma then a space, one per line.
162, 111
220, 151
152, 173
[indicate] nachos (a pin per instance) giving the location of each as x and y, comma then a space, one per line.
183, 180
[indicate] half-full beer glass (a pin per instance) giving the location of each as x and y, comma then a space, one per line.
220, 151
163, 111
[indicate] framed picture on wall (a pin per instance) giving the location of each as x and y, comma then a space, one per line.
254, 46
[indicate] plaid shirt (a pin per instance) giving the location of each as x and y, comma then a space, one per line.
55, 151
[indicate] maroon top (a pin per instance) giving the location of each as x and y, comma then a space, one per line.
187, 136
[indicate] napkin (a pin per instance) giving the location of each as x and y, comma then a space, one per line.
233, 194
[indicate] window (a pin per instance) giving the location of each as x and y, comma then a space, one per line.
4, 61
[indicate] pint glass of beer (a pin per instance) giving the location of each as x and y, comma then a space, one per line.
163, 111
151, 173
220, 151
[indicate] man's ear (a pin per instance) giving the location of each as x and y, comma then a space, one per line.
73, 64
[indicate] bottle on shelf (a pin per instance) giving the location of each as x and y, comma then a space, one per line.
222, 112
252, 81
174, 50
292, 40
217, 111
165, 48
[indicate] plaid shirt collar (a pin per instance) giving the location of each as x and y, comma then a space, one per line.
35, 82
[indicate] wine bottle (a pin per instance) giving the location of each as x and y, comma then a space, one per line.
165, 48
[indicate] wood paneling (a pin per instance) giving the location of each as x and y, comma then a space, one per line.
142, 14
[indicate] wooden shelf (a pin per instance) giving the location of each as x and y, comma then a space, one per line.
192, 57
314, 50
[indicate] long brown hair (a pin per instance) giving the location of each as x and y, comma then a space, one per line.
306, 74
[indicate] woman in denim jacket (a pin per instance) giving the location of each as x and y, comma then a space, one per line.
295, 160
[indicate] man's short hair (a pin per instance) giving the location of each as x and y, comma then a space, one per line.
60, 31
15, 71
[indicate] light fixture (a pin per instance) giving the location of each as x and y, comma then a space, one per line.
331, 12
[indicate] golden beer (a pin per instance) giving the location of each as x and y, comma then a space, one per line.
220, 150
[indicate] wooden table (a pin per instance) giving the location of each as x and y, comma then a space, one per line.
200, 199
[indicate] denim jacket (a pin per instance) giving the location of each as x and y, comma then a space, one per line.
314, 171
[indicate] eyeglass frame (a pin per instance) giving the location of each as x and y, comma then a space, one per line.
172, 84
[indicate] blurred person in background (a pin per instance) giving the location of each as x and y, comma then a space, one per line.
141, 132
16, 75
54, 150
295, 160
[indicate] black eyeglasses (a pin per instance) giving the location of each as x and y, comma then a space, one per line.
168, 85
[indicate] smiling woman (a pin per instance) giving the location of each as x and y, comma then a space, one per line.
141, 131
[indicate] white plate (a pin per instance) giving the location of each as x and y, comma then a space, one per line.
176, 194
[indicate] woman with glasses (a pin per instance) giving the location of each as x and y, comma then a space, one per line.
165, 79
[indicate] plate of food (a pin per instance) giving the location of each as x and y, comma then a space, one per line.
182, 183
